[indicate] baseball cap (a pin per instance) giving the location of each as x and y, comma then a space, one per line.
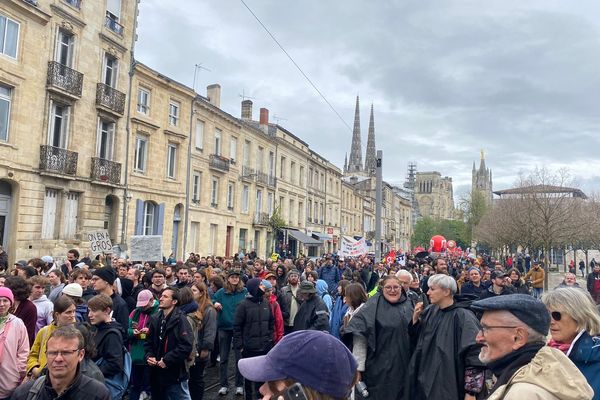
47, 259
73, 289
21, 263
267, 284
295, 357
498, 274
143, 298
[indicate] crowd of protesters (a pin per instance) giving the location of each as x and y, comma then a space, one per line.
331, 328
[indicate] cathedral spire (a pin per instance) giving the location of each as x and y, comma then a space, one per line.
346, 163
371, 157
482, 162
355, 163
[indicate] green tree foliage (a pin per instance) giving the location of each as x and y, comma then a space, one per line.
427, 227
424, 229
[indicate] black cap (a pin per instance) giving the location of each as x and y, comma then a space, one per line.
233, 272
498, 274
526, 308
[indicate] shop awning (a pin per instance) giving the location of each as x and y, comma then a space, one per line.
321, 236
303, 238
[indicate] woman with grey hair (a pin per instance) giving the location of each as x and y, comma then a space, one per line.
575, 330
445, 362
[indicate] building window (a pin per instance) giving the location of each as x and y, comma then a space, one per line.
111, 65
212, 239
301, 176
246, 154
230, 195
196, 187
291, 212
258, 205
113, 14
309, 211
9, 36
5, 102
300, 210
292, 172
214, 191
243, 233
143, 101
171, 160
199, 135
245, 196
59, 124
106, 133
173, 113
270, 204
217, 141
70, 215
282, 168
64, 48
141, 153
260, 159
149, 217
271, 164
49, 217
233, 150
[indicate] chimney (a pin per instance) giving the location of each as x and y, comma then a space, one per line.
247, 110
213, 92
264, 120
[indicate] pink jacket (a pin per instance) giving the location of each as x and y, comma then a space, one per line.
14, 349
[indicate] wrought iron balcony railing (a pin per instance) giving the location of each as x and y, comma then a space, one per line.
248, 173
110, 98
56, 159
113, 25
261, 219
64, 78
106, 171
218, 162
272, 181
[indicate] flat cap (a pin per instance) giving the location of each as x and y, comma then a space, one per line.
307, 287
526, 308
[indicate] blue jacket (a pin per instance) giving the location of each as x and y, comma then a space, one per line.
331, 275
337, 316
229, 301
324, 295
585, 354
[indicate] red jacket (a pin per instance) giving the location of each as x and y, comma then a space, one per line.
276, 310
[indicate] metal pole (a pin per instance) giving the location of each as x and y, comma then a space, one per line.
189, 168
378, 199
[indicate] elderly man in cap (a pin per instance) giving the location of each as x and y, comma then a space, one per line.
312, 313
512, 334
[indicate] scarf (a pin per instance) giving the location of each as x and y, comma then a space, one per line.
505, 367
562, 346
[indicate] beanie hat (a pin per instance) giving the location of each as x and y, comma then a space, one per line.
106, 274
6, 292
267, 284
73, 289
252, 286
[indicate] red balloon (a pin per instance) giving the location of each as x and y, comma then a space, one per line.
437, 244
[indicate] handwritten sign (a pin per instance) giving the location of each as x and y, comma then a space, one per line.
99, 242
146, 248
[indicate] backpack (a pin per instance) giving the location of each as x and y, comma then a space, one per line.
195, 324
117, 385
36, 388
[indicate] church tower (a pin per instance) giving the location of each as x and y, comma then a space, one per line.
371, 156
355, 164
482, 179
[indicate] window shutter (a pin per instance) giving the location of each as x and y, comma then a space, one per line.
114, 7
139, 217
160, 219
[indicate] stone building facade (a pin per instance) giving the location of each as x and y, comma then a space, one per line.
434, 195
63, 81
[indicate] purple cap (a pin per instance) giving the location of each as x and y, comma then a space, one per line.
295, 357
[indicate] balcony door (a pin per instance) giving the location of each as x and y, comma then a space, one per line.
106, 133
64, 48
59, 125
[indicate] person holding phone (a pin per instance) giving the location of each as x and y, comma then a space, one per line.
289, 372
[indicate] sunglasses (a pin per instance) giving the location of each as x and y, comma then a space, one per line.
556, 315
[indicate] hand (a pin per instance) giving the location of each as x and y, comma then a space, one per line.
218, 306
151, 361
162, 364
469, 397
417, 312
144, 330
136, 332
68, 264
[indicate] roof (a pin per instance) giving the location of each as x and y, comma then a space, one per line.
543, 189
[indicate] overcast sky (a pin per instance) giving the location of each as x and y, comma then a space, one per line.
520, 80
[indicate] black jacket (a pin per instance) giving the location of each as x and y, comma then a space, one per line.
121, 314
489, 292
174, 347
253, 325
109, 346
82, 387
312, 315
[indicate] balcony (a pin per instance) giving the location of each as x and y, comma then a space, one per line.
110, 98
263, 178
272, 181
218, 163
106, 171
261, 219
112, 24
58, 160
64, 78
248, 174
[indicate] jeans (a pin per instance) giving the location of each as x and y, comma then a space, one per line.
537, 292
225, 339
139, 382
251, 388
196, 381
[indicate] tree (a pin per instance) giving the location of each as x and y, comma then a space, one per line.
474, 208
276, 223
423, 231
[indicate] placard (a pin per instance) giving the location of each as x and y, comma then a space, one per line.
145, 248
99, 242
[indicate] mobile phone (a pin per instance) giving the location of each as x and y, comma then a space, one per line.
295, 392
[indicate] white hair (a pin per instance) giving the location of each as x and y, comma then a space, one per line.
404, 273
443, 281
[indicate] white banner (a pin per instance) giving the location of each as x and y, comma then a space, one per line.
350, 247
145, 248
99, 242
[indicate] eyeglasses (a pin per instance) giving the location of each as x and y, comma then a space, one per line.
556, 315
486, 328
64, 353
391, 288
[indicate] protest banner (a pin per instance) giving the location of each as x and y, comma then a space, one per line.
145, 248
350, 247
99, 242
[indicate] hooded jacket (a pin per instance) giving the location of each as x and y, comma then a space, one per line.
142, 318
37, 355
253, 324
44, 312
13, 356
322, 292
585, 354
109, 347
229, 301
549, 376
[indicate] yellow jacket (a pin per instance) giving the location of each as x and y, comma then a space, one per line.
537, 277
37, 354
